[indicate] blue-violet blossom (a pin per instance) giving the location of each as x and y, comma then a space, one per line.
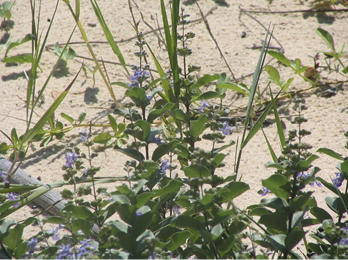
204, 105
264, 191
164, 166
65, 252
32, 245
13, 197
337, 182
226, 129
70, 158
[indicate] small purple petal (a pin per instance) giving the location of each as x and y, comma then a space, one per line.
264, 191
226, 129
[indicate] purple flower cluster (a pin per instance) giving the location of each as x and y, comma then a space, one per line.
55, 232
264, 191
204, 105
305, 176
138, 77
337, 182
226, 129
84, 135
65, 252
13, 197
164, 166
32, 245
344, 241
70, 158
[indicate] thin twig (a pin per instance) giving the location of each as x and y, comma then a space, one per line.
295, 11
215, 41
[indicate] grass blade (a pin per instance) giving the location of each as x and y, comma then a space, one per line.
280, 129
32, 132
256, 77
274, 156
108, 35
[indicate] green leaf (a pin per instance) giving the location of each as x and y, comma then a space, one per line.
273, 73
196, 171
279, 185
4, 147
131, 153
210, 95
21, 58
280, 57
184, 221
218, 158
278, 241
102, 138
14, 44
113, 123
158, 112
327, 38
126, 213
79, 212
233, 190
178, 239
144, 134
275, 203
217, 231
138, 95
320, 214
198, 126
67, 117
108, 34
328, 185
274, 221
143, 198
65, 54
142, 222
305, 164
164, 149
206, 79
293, 238
14, 237
301, 201
331, 153
172, 187
343, 167
236, 87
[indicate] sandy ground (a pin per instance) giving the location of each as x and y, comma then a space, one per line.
295, 31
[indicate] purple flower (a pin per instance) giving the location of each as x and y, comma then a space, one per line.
148, 98
84, 248
204, 105
84, 135
176, 210
337, 182
303, 175
226, 129
157, 140
13, 197
138, 77
54, 232
4, 176
164, 166
264, 191
318, 183
32, 245
344, 241
70, 158
139, 214
65, 252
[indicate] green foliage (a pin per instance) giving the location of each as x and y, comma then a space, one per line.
173, 202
